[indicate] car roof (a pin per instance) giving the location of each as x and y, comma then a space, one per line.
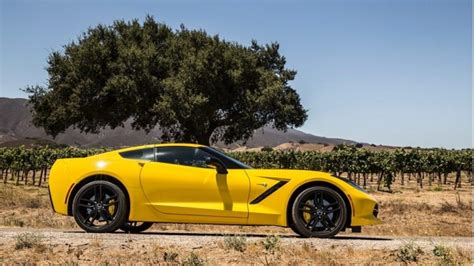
194, 145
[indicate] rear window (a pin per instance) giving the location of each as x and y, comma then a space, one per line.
141, 154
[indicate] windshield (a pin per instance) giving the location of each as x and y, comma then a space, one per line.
229, 162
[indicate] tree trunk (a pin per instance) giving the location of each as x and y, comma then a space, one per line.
458, 179
45, 174
17, 178
25, 174
402, 177
420, 177
33, 177
439, 178
379, 180
371, 177
365, 180
430, 179
445, 181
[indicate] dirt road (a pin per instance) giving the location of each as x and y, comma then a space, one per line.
198, 240
213, 248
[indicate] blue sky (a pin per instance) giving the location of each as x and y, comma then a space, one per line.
393, 72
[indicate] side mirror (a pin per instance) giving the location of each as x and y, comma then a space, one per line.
218, 164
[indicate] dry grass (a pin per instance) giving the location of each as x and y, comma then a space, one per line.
310, 254
413, 212
406, 212
25, 206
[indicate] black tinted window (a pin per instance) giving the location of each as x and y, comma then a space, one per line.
182, 155
142, 154
229, 162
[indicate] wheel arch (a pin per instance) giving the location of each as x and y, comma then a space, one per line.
96, 177
302, 187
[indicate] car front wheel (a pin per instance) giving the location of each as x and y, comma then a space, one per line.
100, 207
318, 212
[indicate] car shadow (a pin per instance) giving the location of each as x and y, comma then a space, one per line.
262, 235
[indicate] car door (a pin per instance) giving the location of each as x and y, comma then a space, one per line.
180, 182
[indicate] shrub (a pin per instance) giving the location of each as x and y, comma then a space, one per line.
193, 260
170, 256
271, 243
445, 254
409, 252
238, 243
28, 240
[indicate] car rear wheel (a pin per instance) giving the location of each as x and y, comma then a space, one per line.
318, 212
135, 227
100, 207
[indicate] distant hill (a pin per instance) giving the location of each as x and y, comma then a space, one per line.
16, 129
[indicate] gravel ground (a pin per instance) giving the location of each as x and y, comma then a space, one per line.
197, 240
74, 247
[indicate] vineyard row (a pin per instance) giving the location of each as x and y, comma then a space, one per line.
31, 165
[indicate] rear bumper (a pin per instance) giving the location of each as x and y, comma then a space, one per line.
51, 199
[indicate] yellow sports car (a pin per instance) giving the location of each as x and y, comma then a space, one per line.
132, 188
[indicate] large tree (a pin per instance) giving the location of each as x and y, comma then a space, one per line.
195, 87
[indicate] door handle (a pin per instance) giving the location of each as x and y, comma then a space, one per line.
141, 164
262, 184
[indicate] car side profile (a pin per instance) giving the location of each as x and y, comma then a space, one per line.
132, 188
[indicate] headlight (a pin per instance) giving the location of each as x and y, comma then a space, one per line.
350, 182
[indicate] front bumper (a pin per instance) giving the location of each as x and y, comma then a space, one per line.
365, 210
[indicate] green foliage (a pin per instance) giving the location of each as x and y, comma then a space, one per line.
343, 159
445, 254
271, 243
193, 260
409, 252
196, 87
238, 243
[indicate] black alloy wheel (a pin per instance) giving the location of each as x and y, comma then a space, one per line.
135, 227
318, 212
100, 207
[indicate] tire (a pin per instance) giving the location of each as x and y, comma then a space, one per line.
135, 227
310, 218
100, 207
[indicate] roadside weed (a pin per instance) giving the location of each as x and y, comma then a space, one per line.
238, 243
271, 243
28, 240
409, 252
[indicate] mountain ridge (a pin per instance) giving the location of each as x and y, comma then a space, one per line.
16, 128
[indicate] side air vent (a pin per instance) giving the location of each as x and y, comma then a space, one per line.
376, 210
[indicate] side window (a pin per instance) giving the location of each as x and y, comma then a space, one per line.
142, 154
182, 155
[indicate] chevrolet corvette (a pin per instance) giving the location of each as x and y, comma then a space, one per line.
132, 188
